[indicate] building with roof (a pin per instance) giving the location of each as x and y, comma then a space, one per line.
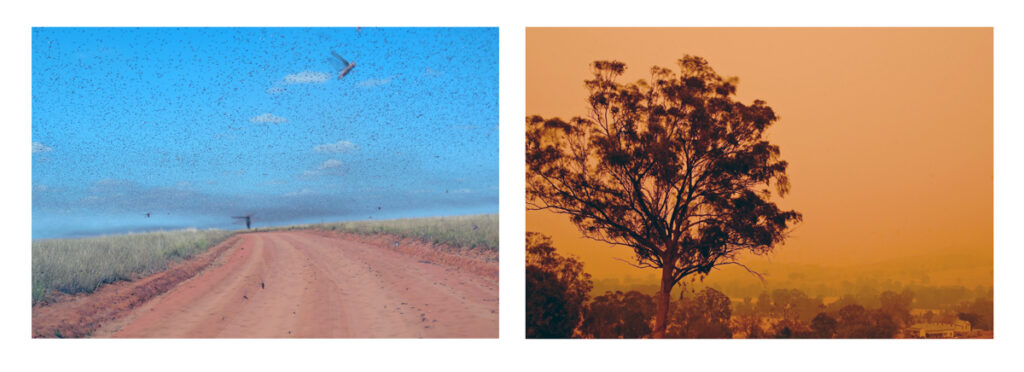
938, 330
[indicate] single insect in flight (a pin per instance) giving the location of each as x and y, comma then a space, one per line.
147, 214
347, 65
248, 220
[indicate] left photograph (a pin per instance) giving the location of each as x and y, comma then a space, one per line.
264, 182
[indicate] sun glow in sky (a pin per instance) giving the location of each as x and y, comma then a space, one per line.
197, 125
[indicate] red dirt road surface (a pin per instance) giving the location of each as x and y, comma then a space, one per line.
317, 284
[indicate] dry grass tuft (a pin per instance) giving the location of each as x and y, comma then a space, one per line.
81, 265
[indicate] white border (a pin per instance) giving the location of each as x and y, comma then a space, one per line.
511, 351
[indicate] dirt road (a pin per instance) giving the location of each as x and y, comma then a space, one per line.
308, 284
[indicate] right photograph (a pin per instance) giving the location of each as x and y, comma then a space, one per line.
759, 183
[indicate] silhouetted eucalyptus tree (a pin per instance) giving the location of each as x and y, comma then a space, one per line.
673, 168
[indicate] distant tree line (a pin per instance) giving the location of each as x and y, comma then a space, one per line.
559, 306
864, 291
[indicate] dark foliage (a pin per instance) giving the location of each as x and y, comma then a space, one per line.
897, 306
793, 328
547, 306
978, 312
794, 304
706, 315
674, 168
749, 326
556, 290
857, 322
823, 326
619, 315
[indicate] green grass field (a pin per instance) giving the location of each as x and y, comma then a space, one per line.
477, 231
82, 265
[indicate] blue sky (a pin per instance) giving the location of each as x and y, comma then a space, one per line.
197, 125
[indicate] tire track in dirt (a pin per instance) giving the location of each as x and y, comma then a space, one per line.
304, 284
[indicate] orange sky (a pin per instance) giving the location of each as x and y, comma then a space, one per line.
888, 132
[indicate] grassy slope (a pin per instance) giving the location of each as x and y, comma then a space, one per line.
478, 231
82, 265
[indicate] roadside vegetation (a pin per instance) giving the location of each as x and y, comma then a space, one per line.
81, 265
476, 231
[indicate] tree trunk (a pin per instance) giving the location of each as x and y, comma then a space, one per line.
661, 317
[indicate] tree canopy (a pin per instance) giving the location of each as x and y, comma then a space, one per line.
673, 167
619, 315
706, 315
857, 322
556, 290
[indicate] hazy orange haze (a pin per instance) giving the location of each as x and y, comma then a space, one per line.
888, 132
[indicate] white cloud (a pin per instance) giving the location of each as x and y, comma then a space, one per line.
328, 167
307, 77
375, 82
339, 147
38, 147
268, 118
330, 163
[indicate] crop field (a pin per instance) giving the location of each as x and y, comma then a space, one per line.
476, 231
82, 265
